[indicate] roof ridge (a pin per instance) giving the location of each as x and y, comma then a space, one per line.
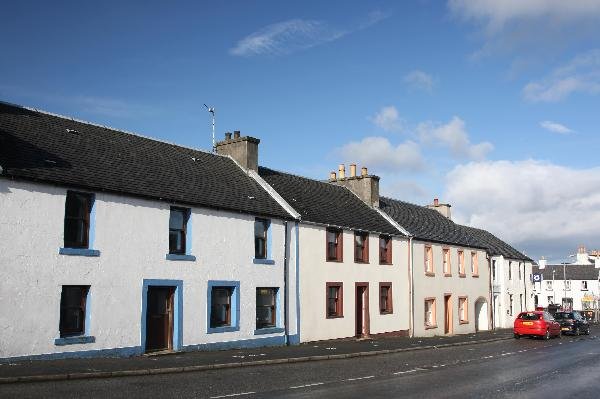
70, 118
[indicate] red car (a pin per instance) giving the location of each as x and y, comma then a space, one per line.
537, 323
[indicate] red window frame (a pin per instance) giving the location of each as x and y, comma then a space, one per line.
334, 245
385, 250
337, 300
361, 253
386, 305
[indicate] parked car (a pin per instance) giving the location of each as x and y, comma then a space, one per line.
572, 323
536, 323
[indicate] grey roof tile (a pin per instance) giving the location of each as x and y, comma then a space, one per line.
572, 272
496, 246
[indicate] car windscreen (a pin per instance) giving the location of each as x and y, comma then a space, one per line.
563, 316
529, 316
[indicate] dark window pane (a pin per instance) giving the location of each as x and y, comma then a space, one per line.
72, 310
76, 227
220, 313
265, 307
176, 243
261, 227
176, 219
177, 230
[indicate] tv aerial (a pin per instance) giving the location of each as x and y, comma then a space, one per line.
211, 110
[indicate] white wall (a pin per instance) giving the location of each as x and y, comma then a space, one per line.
474, 288
503, 287
558, 292
132, 236
315, 272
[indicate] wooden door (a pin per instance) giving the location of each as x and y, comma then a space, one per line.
159, 319
447, 314
362, 310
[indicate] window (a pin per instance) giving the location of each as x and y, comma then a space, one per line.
261, 228
361, 247
72, 310
510, 270
178, 220
461, 263
519, 266
220, 311
428, 260
510, 305
521, 302
550, 299
385, 250
474, 264
266, 310
334, 295
549, 285
584, 285
78, 207
430, 317
385, 298
463, 309
568, 285
447, 267
494, 269
335, 245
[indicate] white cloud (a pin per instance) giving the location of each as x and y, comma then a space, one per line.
555, 127
378, 152
453, 135
296, 34
531, 204
419, 80
496, 14
581, 74
388, 119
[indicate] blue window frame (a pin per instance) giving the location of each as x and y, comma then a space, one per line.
180, 234
262, 242
79, 224
223, 306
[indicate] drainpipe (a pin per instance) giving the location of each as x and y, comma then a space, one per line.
286, 290
411, 289
492, 296
525, 284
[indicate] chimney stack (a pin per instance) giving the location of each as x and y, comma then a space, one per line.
542, 263
444, 209
366, 187
364, 171
244, 150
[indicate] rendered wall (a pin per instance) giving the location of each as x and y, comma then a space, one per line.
132, 237
315, 272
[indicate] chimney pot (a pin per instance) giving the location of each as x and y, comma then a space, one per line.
342, 170
364, 171
436, 202
236, 134
353, 170
332, 176
228, 136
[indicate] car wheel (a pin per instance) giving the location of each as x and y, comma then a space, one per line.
577, 331
517, 336
547, 335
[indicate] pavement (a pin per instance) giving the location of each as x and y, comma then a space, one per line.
180, 362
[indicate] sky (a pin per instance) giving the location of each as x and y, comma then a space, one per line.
492, 106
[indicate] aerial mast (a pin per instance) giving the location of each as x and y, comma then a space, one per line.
212, 112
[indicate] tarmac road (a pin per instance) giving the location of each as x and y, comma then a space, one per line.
524, 368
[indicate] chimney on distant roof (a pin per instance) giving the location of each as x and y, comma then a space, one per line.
542, 263
365, 186
444, 209
244, 150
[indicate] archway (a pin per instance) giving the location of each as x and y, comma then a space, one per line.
481, 315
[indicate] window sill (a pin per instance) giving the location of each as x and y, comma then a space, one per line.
386, 312
78, 252
81, 339
386, 263
189, 258
463, 322
268, 330
475, 276
263, 261
362, 262
462, 275
216, 330
430, 274
430, 327
335, 317
335, 260
447, 274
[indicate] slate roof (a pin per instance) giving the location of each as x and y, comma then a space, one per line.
496, 246
428, 224
39, 146
327, 204
573, 272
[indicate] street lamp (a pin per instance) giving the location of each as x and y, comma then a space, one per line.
553, 288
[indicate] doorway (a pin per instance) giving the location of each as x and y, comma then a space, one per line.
159, 318
362, 310
447, 314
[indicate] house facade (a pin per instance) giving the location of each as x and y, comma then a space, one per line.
118, 245
353, 275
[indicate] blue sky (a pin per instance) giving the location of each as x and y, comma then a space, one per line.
490, 105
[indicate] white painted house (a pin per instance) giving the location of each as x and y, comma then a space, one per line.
353, 274
116, 244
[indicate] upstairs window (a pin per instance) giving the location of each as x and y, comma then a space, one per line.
510, 270
447, 267
474, 264
385, 298
334, 245
220, 312
178, 220
428, 260
77, 219
461, 263
568, 285
519, 266
549, 285
334, 300
266, 310
261, 229
361, 247
385, 250
584, 285
72, 310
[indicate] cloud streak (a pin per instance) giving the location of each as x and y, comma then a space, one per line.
388, 119
420, 80
378, 152
555, 127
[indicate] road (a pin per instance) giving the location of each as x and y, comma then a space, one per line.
524, 368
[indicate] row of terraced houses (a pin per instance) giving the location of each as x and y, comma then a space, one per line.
114, 244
